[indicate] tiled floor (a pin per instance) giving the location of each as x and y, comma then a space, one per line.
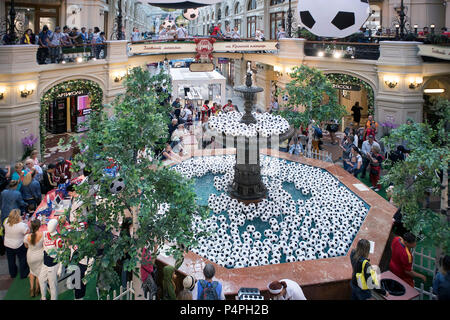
5, 279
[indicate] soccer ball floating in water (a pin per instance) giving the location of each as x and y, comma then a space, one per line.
117, 185
333, 19
190, 14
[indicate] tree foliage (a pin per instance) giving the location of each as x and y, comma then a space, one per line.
419, 174
161, 201
311, 96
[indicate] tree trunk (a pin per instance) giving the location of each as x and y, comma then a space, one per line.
310, 137
445, 215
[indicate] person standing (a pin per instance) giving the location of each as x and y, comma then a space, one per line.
285, 289
182, 32
55, 44
333, 127
35, 255
355, 161
208, 289
228, 107
135, 35
281, 33
49, 179
235, 33
44, 42
217, 31
205, 111
28, 37
375, 159
365, 150
370, 125
359, 259
63, 171
169, 287
11, 199
188, 286
346, 146
402, 260
273, 105
84, 35
15, 231
441, 282
356, 109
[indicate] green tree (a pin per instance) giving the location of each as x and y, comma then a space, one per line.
311, 97
415, 177
160, 201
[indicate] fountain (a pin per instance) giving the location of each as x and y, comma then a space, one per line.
247, 185
275, 215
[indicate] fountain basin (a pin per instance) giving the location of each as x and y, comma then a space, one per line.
320, 278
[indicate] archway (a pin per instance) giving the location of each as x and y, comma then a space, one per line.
433, 88
351, 90
65, 107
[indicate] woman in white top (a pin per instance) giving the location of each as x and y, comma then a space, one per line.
15, 231
162, 34
35, 255
285, 289
136, 35
235, 34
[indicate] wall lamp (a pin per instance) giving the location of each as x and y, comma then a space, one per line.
25, 91
415, 82
118, 76
278, 71
2, 92
391, 81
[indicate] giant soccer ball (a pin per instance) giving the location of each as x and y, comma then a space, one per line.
117, 185
167, 24
190, 14
333, 19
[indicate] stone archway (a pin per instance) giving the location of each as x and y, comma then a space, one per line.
92, 88
352, 81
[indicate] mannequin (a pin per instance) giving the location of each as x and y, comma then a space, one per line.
51, 269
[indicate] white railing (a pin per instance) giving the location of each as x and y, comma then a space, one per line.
423, 292
124, 294
426, 262
322, 155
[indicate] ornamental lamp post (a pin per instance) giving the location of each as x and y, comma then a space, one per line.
401, 13
119, 22
11, 38
289, 20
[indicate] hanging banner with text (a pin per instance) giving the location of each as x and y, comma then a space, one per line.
434, 51
189, 47
240, 46
348, 87
162, 48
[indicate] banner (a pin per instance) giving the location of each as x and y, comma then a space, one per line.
240, 46
434, 51
348, 87
162, 48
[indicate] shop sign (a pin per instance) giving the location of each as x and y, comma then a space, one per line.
162, 48
223, 60
84, 112
434, 51
240, 46
201, 67
71, 94
348, 87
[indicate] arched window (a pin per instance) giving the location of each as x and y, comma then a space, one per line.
227, 11
251, 5
219, 14
237, 8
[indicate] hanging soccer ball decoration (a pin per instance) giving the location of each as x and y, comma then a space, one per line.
333, 19
167, 24
117, 185
190, 14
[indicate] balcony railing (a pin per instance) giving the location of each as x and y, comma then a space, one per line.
71, 53
346, 50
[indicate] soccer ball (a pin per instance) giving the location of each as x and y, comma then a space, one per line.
190, 14
285, 97
117, 185
334, 19
167, 24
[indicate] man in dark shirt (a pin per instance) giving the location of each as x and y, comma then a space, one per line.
44, 41
356, 109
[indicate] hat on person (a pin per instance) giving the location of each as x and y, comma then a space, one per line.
189, 283
371, 136
60, 159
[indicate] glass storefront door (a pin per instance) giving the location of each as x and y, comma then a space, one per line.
30, 15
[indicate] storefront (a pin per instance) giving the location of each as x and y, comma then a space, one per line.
69, 112
32, 15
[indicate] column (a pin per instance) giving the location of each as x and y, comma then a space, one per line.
19, 115
398, 66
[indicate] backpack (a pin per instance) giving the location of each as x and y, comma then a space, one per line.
150, 288
318, 132
361, 278
3, 180
209, 290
